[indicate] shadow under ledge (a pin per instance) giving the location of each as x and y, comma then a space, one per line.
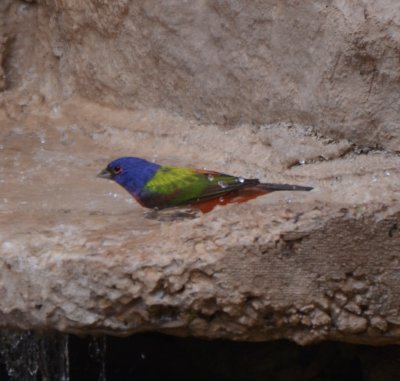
29, 356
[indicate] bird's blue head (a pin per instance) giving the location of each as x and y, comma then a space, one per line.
131, 172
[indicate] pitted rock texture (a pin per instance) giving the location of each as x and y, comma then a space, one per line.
79, 255
285, 92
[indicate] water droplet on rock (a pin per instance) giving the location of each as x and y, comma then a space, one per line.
42, 137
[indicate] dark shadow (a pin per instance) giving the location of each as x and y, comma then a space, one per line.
27, 356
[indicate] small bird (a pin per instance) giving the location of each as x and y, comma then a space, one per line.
158, 187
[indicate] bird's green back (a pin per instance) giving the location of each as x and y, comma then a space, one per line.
179, 186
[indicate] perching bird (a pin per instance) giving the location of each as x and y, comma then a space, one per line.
159, 187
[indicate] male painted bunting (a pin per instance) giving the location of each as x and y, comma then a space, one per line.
159, 187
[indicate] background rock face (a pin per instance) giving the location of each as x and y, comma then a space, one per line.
282, 91
331, 64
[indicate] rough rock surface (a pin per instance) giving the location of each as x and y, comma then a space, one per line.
298, 93
331, 64
78, 255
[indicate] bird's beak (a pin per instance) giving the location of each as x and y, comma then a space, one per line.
105, 174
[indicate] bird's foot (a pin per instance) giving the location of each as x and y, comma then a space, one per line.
171, 214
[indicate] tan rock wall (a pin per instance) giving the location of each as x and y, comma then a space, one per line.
331, 64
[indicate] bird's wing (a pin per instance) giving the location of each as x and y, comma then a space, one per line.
173, 186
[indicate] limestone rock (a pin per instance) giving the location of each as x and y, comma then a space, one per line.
329, 64
78, 255
296, 93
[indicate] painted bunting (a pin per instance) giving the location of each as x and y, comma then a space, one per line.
158, 187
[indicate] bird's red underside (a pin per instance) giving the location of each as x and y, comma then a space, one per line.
233, 197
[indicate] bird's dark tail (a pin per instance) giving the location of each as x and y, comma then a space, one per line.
247, 190
282, 187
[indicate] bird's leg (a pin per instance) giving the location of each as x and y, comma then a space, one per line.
171, 214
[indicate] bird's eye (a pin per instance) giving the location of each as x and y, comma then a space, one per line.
117, 169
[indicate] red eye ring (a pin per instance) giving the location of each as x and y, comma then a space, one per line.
117, 169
